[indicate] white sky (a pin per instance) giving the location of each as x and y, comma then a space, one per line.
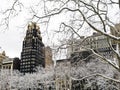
11, 40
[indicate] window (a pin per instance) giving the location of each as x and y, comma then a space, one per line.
9, 67
3, 67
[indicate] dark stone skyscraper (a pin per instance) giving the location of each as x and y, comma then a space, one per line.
33, 50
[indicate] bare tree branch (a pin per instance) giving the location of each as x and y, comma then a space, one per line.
97, 74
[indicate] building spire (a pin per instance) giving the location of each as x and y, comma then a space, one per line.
33, 25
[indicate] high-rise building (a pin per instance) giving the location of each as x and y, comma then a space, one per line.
33, 53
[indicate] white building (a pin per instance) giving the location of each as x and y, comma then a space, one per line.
7, 63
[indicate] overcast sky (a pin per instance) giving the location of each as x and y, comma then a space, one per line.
11, 39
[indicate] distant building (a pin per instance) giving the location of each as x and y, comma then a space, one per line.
2, 56
73, 46
62, 62
79, 49
62, 72
11, 63
16, 64
116, 32
48, 57
7, 63
33, 53
97, 42
100, 44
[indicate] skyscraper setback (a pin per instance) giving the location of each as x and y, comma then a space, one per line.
32, 54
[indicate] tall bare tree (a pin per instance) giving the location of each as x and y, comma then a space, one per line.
94, 14
78, 15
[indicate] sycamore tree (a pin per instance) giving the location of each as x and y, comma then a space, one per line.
63, 76
95, 74
76, 18
81, 16
43, 78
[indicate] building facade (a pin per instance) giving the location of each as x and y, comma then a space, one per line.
33, 53
11, 64
48, 57
7, 63
100, 44
97, 42
73, 46
62, 74
116, 32
2, 56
